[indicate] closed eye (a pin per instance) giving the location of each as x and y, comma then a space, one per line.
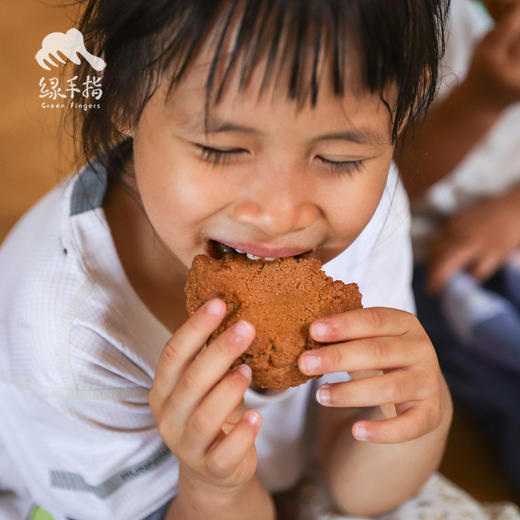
342, 167
219, 155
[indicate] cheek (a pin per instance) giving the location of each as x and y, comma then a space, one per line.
177, 193
355, 204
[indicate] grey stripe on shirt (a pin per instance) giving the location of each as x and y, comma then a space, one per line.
89, 190
76, 482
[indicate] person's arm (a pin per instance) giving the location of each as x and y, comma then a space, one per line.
367, 478
456, 123
433, 149
375, 459
251, 501
197, 403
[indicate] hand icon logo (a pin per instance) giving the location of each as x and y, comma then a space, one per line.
70, 44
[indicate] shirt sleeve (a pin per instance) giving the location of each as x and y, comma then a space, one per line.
93, 448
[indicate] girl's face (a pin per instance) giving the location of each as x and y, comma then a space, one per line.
268, 178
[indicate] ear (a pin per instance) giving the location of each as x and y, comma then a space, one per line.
120, 121
123, 127
127, 132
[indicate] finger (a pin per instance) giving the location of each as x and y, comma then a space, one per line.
394, 388
206, 422
445, 265
361, 323
379, 353
208, 368
233, 418
183, 346
413, 423
486, 266
225, 458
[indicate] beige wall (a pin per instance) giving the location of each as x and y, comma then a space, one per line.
32, 158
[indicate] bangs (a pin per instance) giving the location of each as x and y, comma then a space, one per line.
296, 46
288, 42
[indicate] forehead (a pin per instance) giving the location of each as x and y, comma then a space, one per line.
228, 97
218, 83
358, 117
283, 76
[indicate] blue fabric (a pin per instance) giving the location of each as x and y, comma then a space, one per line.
512, 282
499, 340
490, 391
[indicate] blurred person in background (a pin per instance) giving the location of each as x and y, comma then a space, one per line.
461, 168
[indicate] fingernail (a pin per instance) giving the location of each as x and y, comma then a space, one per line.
310, 362
244, 370
319, 329
242, 329
323, 395
360, 432
213, 307
253, 418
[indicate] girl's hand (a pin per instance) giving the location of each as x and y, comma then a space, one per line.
197, 402
394, 343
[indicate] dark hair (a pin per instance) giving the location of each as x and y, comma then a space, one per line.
399, 41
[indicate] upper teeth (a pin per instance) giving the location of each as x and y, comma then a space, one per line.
253, 257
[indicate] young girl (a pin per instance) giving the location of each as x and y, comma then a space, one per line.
264, 126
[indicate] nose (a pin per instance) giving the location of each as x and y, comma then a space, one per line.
282, 204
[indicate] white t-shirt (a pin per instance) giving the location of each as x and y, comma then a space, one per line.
494, 163
78, 351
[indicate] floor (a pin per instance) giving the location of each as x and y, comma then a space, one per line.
35, 155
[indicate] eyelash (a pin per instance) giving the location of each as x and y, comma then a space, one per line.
216, 157
342, 167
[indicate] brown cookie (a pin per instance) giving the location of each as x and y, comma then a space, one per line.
280, 298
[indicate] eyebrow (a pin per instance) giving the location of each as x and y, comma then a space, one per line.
216, 127
357, 136
361, 136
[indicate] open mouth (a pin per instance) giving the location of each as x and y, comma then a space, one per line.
217, 250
